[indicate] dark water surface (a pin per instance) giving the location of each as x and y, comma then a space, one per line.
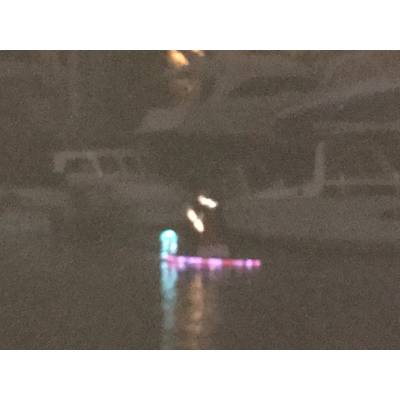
111, 295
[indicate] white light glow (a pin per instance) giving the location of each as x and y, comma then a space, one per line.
207, 202
191, 214
199, 226
195, 220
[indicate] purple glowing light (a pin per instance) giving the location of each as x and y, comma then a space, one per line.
212, 262
194, 260
237, 263
215, 262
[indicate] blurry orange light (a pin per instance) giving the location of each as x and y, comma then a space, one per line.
177, 58
200, 53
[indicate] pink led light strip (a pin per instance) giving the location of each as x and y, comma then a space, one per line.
212, 262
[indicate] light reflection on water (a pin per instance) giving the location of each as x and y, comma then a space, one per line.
191, 304
294, 301
195, 314
168, 280
185, 296
114, 296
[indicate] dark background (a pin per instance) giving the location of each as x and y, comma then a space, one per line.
53, 100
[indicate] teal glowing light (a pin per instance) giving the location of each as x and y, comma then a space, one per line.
169, 242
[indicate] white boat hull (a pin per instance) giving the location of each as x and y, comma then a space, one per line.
366, 220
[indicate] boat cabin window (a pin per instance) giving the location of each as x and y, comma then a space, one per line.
356, 161
281, 165
130, 163
78, 166
381, 107
197, 161
390, 145
108, 164
261, 86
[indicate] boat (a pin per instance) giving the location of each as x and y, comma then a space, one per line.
232, 93
333, 175
122, 184
317, 166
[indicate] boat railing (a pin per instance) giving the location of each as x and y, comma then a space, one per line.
359, 186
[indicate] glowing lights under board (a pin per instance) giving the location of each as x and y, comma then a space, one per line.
169, 246
211, 262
